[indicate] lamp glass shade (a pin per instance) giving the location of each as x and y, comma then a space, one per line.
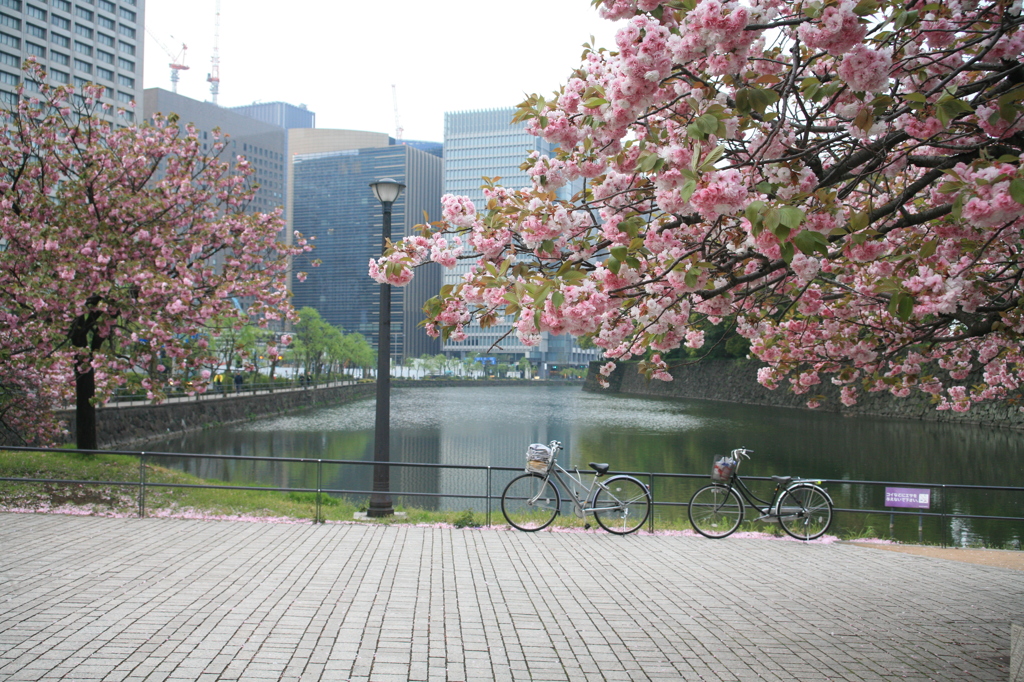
386, 190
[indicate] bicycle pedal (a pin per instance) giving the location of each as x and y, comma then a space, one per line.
586, 526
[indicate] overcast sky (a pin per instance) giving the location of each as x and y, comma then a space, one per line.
340, 58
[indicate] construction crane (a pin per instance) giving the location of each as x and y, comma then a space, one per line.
177, 60
213, 78
398, 126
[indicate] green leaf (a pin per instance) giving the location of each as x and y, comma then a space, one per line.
858, 221
557, 299
787, 252
772, 218
928, 250
613, 264
594, 102
1017, 190
618, 252
901, 305
687, 190
809, 241
792, 217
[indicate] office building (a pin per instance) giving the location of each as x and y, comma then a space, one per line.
331, 202
77, 42
486, 143
280, 114
262, 144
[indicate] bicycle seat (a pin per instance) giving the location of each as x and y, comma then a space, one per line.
783, 481
601, 469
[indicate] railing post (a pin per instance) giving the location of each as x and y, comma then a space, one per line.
319, 478
650, 487
488, 496
142, 485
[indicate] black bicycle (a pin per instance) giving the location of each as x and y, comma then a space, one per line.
801, 506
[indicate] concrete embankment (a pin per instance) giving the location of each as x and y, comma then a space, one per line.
735, 381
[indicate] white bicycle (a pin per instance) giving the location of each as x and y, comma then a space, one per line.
531, 501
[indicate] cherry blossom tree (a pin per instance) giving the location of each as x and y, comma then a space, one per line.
119, 245
840, 177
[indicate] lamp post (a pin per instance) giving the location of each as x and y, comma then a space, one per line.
386, 190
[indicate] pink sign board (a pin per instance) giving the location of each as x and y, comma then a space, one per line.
912, 498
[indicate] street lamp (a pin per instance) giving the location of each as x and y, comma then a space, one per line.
386, 190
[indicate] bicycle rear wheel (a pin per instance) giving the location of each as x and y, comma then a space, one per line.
805, 511
715, 511
530, 502
622, 505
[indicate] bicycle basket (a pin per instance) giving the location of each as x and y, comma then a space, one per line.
723, 468
538, 458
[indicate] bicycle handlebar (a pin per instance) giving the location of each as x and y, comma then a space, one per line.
742, 452
555, 446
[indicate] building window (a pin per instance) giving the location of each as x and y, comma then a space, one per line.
35, 50
83, 13
80, 82
104, 39
125, 65
126, 82
105, 74
127, 48
58, 39
83, 31
104, 22
35, 12
62, 5
10, 41
9, 98
8, 78
104, 56
127, 14
106, 5
126, 31
59, 58
124, 96
9, 60
60, 22
59, 76
13, 4
84, 67
82, 48
10, 22
37, 31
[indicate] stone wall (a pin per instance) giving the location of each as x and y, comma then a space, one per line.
735, 381
122, 425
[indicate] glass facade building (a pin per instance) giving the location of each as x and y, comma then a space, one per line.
333, 204
77, 42
486, 143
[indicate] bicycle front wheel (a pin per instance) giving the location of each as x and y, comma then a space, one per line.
805, 512
715, 511
622, 504
530, 502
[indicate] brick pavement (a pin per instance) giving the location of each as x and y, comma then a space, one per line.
87, 598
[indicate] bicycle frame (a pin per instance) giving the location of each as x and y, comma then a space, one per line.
574, 486
765, 507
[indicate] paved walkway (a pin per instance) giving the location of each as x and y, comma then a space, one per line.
87, 598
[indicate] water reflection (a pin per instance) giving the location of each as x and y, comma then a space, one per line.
493, 426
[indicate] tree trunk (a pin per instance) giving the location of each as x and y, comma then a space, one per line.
85, 411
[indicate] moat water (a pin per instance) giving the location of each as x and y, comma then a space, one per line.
494, 425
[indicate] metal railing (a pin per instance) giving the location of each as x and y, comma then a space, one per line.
488, 495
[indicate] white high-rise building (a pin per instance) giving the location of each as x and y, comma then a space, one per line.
77, 42
486, 143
